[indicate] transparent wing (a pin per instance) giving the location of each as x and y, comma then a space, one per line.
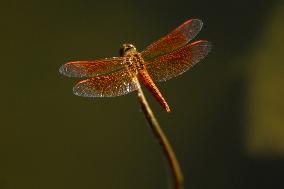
91, 68
174, 40
114, 84
177, 62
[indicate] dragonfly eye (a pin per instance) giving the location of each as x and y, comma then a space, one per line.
126, 48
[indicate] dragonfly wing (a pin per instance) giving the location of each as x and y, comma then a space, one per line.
111, 85
177, 62
91, 68
174, 40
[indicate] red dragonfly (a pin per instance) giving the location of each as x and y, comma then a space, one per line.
164, 59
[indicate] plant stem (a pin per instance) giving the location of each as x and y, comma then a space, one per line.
162, 139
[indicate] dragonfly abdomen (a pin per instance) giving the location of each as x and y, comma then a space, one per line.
149, 83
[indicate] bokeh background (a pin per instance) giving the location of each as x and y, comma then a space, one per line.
227, 117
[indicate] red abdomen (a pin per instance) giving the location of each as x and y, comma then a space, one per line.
145, 78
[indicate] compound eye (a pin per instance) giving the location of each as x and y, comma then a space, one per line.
128, 48
125, 48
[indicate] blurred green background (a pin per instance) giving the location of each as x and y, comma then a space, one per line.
227, 117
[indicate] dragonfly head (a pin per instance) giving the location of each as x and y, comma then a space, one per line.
127, 49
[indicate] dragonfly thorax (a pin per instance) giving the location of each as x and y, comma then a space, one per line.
127, 49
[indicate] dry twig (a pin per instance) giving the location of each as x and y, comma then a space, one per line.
162, 139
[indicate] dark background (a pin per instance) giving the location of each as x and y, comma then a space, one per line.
226, 123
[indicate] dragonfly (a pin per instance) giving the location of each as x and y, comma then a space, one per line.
168, 57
